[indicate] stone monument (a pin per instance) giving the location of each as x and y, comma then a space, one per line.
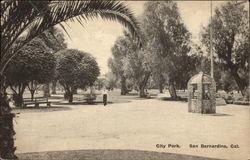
202, 94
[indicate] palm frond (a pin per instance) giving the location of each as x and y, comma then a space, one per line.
17, 17
38, 16
111, 10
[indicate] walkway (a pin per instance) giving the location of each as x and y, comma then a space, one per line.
146, 124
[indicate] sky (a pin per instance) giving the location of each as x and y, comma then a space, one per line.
98, 36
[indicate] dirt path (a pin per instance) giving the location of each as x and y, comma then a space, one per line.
140, 124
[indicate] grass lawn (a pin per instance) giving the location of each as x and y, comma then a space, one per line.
107, 155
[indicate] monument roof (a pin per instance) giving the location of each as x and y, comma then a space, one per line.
201, 78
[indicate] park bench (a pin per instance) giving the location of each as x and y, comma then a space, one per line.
36, 101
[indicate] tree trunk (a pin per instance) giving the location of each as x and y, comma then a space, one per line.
70, 97
18, 99
123, 86
46, 90
160, 88
18, 96
241, 84
7, 148
32, 88
161, 82
32, 92
53, 87
66, 95
142, 85
141, 91
172, 90
4, 103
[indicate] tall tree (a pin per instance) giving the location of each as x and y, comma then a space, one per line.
34, 64
136, 69
167, 40
227, 82
76, 69
119, 51
136, 63
230, 26
130, 63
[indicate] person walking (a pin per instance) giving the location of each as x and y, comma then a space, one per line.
105, 96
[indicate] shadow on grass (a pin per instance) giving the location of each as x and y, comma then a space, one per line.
174, 99
77, 103
131, 94
86, 103
40, 109
119, 101
219, 114
136, 94
106, 154
135, 97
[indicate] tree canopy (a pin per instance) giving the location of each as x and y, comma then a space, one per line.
230, 27
119, 51
168, 42
76, 69
34, 63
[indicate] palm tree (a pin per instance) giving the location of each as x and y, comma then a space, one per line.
28, 19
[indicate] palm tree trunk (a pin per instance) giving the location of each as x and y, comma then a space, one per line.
7, 132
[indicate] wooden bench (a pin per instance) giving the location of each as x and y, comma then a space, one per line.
36, 101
